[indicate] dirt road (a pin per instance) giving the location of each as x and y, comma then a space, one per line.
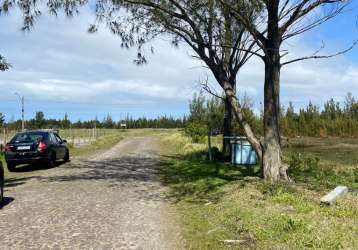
112, 201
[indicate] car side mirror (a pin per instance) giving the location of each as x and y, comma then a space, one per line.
64, 141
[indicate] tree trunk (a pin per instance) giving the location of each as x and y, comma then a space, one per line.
273, 168
227, 128
237, 111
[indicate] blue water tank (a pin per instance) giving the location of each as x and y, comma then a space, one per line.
242, 152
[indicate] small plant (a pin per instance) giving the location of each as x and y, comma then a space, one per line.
271, 189
301, 163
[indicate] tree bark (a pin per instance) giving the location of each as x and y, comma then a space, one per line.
273, 168
227, 128
237, 111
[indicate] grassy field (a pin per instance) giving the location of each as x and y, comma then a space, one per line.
219, 202
216, 201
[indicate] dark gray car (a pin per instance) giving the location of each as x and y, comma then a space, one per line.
36, 147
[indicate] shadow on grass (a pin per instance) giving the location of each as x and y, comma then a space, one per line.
197, 180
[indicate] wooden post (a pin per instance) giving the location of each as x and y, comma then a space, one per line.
209, 145
72, 138
95, 130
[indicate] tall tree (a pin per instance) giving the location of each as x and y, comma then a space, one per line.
65, 123
39, 119
206, 26
278, 21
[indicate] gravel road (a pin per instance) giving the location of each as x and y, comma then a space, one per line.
111, 201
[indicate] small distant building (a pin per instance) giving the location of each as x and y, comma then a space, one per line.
123, 125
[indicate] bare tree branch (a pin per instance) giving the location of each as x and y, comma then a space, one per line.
205, 85
314, 56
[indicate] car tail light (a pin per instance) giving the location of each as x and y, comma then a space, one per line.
7, 148
42, 146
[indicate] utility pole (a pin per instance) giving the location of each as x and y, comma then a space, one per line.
22, 101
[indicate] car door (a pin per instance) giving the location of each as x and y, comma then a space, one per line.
61, 147
55, 145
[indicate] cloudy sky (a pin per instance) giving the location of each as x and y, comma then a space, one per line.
59, 68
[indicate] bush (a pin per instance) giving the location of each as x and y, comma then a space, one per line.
307, 169
196, 130
302, 164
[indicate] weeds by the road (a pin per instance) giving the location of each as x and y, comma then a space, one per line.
218, 202
101, 144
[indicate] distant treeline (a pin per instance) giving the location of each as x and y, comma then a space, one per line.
333, 119
206, 113
40, 122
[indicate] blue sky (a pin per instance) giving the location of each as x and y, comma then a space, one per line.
59, 68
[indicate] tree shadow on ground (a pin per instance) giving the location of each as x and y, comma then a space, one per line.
125, 169
17, 181
200, 180
24, 173
34, 167
6, 201
138, 173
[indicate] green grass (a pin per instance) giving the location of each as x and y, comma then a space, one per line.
103, 143
324, 163
331, 151
216, 201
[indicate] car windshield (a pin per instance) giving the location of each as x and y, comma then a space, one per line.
29, 137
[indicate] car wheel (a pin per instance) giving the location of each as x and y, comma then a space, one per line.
11, 167
67, 156
52, 160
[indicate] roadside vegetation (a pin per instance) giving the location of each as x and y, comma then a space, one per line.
101, 144
217, 201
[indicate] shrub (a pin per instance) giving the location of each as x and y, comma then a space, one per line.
307, 169
301, 163
196, 130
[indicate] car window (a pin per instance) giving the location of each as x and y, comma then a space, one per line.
29, 137
58, 138
53, 138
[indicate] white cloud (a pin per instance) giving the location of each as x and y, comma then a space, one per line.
59, 60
